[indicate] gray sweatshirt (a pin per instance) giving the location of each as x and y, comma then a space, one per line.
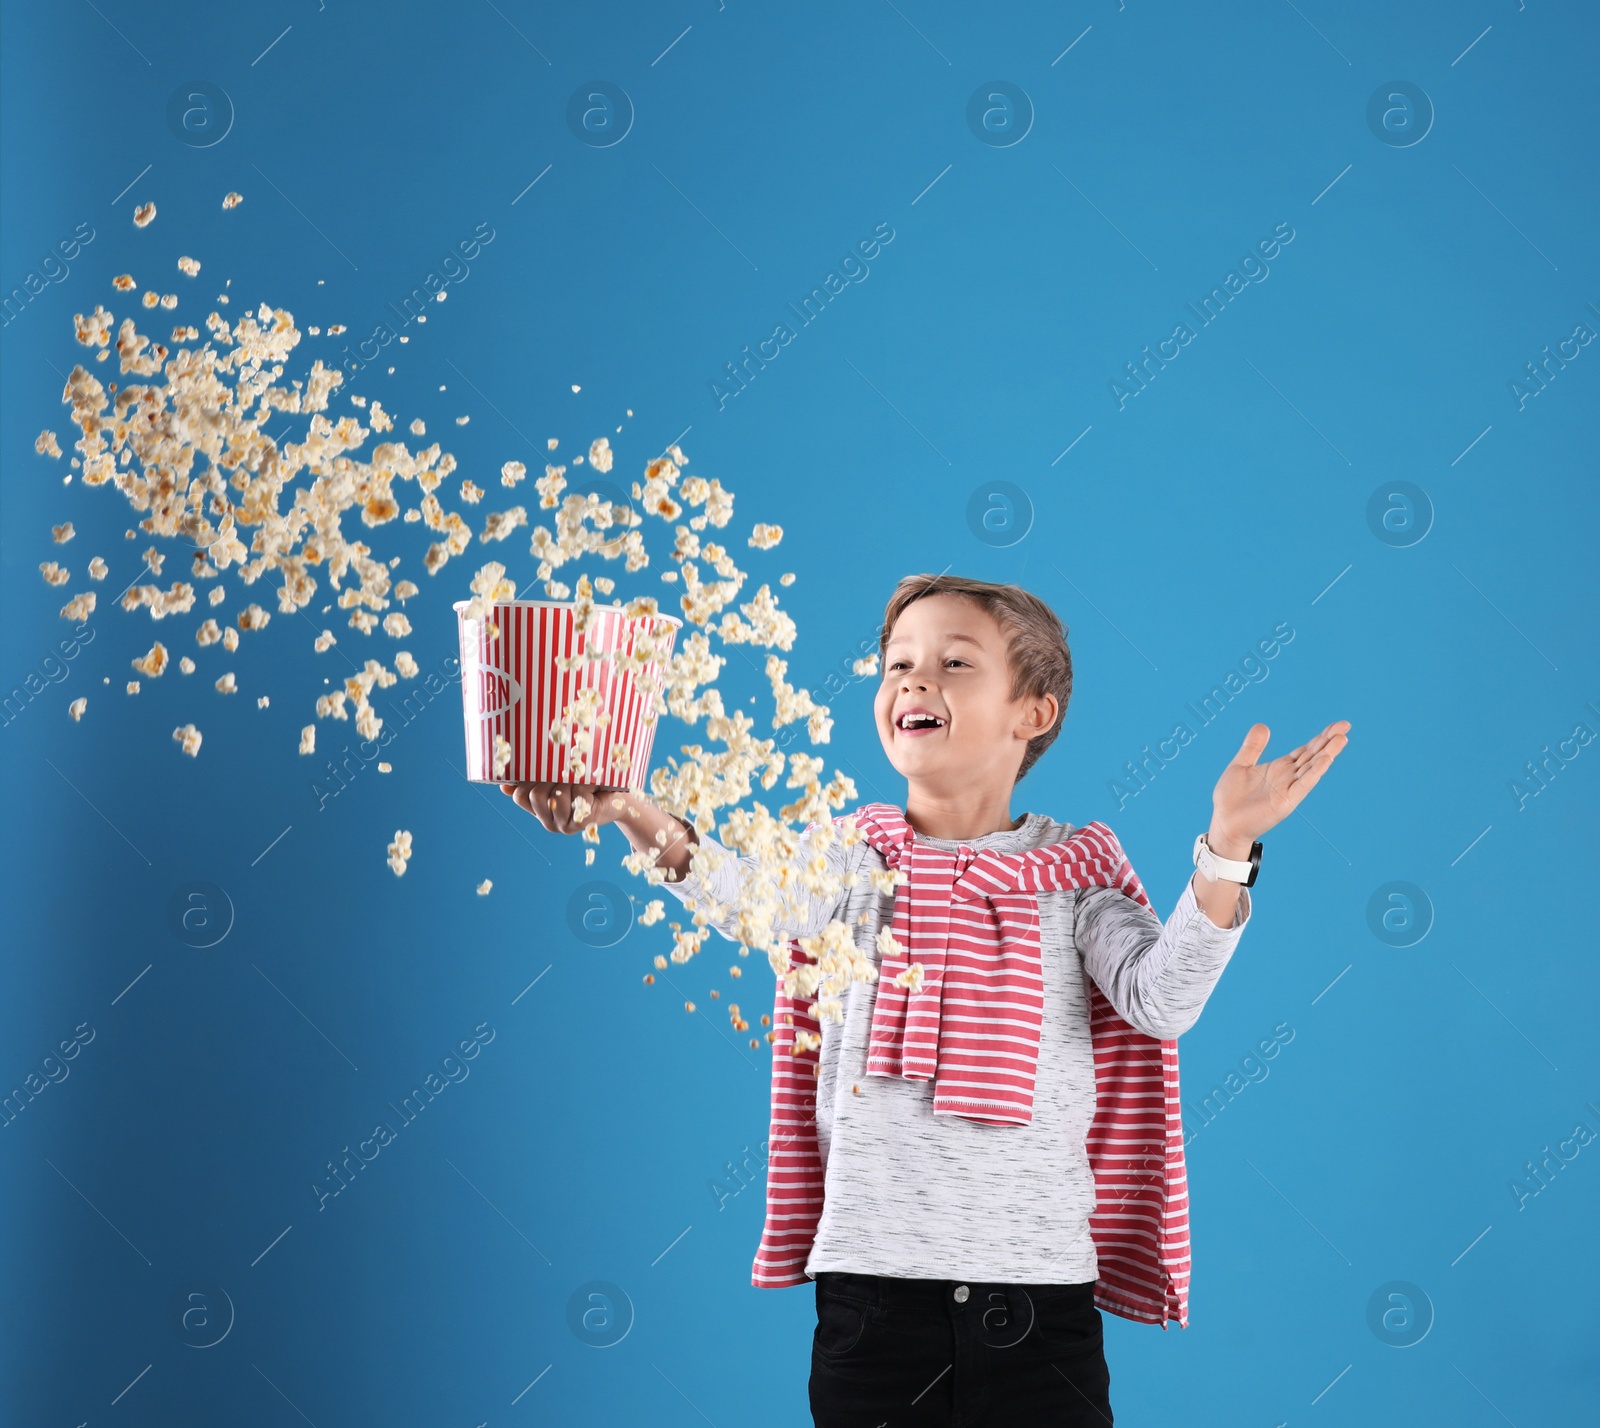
911, 1194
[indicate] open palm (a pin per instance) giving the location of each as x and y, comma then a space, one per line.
1252, 797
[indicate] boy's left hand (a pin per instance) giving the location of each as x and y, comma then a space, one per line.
1250, 798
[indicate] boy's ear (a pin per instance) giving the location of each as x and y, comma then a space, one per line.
1041, 713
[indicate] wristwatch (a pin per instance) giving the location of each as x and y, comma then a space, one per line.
1234, 870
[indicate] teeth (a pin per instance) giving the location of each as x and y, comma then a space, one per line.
921, 721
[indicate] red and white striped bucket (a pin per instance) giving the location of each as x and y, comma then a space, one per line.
513, 689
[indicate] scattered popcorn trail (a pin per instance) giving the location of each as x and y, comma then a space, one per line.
186, 442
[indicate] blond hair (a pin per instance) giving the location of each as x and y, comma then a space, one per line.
1036, 649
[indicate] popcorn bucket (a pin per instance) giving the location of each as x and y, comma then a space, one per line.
514, 687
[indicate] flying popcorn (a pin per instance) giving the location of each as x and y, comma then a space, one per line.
143, 214
399, 851
911, 977
153, 663
232, 200
76, 708
262, 497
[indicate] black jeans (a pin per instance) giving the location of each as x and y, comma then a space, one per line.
891, 1353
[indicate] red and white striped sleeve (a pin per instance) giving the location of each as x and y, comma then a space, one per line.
794, 1158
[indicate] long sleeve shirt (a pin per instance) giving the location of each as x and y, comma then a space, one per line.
904, 1192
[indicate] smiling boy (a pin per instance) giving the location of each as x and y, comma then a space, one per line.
986, 1147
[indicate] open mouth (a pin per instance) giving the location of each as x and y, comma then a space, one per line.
916, 721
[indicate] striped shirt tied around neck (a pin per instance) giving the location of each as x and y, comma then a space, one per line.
972, 921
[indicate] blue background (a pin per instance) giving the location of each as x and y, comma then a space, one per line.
1172, 531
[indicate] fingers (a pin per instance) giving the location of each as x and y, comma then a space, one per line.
1255, 740
533, 798
558, 798
1315, 745
552, 803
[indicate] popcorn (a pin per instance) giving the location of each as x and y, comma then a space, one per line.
45, 444
271, 505
910, 978
143, 214
869, 665
263, 702
232, 200
55, 574
399, 851
186, 665
550, 486
189, 266
124, 283
189, 736
76, 708
153, 663
483, 888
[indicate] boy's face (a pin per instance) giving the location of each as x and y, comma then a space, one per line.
946, 657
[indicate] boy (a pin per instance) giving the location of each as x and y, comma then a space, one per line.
935, 1157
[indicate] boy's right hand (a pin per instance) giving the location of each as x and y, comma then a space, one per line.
670, 841
553, 804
